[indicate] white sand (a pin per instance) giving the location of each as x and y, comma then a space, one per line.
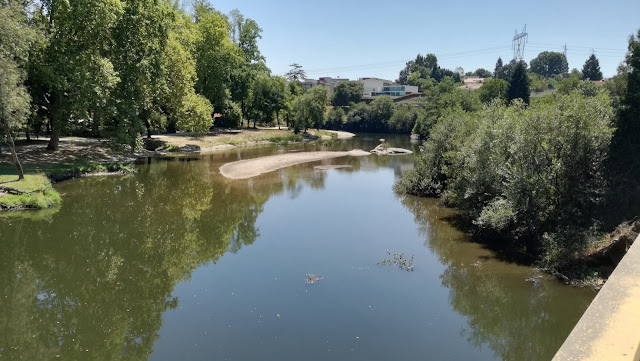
244, 169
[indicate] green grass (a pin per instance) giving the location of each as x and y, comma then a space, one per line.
44, 197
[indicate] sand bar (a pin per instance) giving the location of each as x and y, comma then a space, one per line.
248, 168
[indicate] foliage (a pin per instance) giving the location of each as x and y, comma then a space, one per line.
441, 101
296, 74
403, 119
336, 119
519, 84
483, 73
534, 175
195, 114
493, 89
624, 165
591, 69
426, 67
549, 63
308, 109
498, 68
347, 92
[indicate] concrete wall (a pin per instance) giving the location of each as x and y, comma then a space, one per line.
610, 328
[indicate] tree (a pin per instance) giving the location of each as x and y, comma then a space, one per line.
624, 163
215, 56
309, 108
403, 119
296, 73
140, 38
347, 92
591, 69
498, 67
483, 73
16, 35
549, 63
279, 96
493, 89
519, 85
382, 109
335, 119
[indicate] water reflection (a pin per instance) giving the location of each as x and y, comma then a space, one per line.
93, 278
517, 319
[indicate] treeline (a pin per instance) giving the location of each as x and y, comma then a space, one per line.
124, 68
543, 179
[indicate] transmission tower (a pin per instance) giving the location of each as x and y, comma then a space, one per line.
519, 40
565, 50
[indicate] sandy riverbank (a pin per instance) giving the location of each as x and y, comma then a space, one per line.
253, 167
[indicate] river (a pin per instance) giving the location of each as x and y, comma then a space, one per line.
176, 262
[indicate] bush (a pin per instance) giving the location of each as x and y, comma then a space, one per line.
534, 175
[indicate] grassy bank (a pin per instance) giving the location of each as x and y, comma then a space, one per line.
33, 192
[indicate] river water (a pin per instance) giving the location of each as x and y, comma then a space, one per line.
176, 262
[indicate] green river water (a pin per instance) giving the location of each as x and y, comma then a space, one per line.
175, 262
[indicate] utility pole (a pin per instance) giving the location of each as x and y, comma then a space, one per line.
519, 40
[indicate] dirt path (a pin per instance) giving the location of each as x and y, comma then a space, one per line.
244, 169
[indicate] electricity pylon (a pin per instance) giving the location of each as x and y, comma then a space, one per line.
519, 40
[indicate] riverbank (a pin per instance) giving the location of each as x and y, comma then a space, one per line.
76, 151
32, 192
248, 168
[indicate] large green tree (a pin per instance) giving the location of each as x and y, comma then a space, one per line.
16, 35
591, 69
347, 92
549, 63
624, 164
519, 84
493, 89
216, 56
309, 109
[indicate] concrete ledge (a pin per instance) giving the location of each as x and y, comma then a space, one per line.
610, 328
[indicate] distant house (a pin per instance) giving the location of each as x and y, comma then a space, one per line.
472, 83
375, 87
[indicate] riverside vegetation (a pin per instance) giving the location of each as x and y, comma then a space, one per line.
546, 179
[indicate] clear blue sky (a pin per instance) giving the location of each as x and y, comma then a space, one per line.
375, 38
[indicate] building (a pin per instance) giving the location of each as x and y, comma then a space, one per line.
330, 83
309, 83
375, 87
472, 83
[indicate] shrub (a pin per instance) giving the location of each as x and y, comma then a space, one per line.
535, 175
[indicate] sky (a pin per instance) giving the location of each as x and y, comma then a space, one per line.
353, 39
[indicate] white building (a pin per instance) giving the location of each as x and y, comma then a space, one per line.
375, 87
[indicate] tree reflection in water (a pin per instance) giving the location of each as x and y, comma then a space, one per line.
91, 280
515, 318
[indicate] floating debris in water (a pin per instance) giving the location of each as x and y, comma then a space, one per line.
311, 278
399, 259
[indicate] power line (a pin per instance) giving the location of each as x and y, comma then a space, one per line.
394, 63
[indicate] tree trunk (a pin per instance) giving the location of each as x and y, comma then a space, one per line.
12, 147
55, 135
55, 123
26, 133
95, 125
277, 120
148, 125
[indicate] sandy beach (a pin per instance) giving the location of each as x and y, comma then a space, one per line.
248, 168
